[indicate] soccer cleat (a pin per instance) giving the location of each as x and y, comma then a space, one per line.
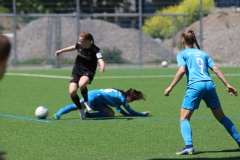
87, 106
87, 115
185, 151
56, 117
82, 114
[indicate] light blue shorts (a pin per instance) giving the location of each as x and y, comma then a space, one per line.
204, 90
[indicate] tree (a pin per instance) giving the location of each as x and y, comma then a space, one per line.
161, 27
63, 6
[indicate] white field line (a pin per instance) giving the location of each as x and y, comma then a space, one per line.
104, 77
68, 77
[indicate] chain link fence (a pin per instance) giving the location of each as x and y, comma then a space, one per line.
116, 28
37, 36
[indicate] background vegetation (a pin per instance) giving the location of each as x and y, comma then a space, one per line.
162, 26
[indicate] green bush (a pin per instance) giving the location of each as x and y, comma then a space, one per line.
112, 55
162, 26
4, 10
32, 61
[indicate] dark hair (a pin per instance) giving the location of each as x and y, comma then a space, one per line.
88, 36
190, 38
133, 94
5, 47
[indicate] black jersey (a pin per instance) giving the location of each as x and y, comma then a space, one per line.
86, 59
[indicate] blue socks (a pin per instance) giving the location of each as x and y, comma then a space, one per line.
98, 114
72, 107
186, 132
227, 123
66, 109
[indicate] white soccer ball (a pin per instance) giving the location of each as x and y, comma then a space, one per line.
41, 112
164, 63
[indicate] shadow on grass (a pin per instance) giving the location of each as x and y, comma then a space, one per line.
227, 151
102, 118
191, 157
128, 118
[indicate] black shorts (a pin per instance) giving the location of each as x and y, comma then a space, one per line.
75, 78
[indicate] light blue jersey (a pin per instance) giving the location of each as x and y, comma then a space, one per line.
196, 63
109, 97
199, 82
102, 98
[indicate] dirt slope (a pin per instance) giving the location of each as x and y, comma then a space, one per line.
221, 36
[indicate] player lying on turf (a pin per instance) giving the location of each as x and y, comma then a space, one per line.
100, 100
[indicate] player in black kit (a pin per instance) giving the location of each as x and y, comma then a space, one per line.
84, 69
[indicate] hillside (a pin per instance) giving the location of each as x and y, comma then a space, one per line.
37, 40
221, 40
221, 30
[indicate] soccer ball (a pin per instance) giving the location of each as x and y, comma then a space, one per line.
164, 63
41, 112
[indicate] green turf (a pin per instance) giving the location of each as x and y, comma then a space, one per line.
158, 136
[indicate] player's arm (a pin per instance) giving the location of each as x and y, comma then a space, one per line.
70, 48
177, 78
220, 75
135, 113
101, 65
120, 110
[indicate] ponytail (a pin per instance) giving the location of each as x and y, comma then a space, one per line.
133, 94
194, 38
190, 38
88, 36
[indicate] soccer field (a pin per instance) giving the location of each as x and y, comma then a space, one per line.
156, 137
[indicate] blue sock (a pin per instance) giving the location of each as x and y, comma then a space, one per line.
186, 132
227, 123
66, 109
99, 114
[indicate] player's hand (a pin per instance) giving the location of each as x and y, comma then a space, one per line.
147, 113
167, 91
231, 90
58, 52
101, 69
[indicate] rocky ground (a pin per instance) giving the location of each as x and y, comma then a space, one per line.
37, 39
221, 36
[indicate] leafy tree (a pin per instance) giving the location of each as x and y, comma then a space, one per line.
63, 6
161, 27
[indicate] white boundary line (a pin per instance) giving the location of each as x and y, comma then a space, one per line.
104, 77
68, 77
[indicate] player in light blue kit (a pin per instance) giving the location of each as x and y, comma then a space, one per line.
195, 63
100, 100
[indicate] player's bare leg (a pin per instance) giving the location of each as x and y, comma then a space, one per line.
84, 80
76, 100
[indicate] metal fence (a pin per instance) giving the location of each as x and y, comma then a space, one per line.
37, 36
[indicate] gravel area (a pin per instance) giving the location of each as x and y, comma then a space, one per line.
221, 36
38, 39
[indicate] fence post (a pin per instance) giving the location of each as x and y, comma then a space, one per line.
140, 31
201, 31
58, 40
78, 17
15, 33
